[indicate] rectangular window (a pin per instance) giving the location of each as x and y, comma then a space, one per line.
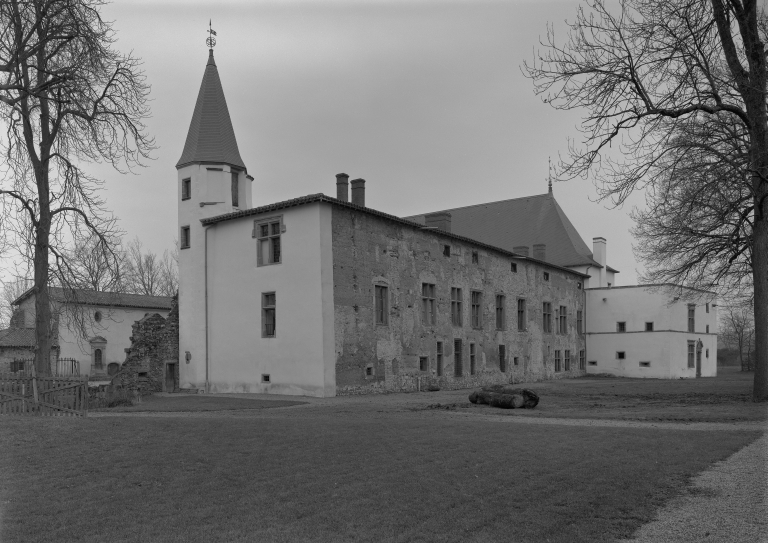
268, 249
707, 329
184, 238
567, 360
381, 301
707, 306
546, 276
501, 312
458, 369
691, 354
621, 326
621, 355
521, 314
592, 362
516, 360
513, 267
456, 307
423, 363
691, 317
649, 327
268, 317
582, 360
646, 364
446, 250
503, 358
428, 302
186, 189
547, 317
439, 359
557, 360
235, 190
475, 258
472, 359
476, 312
579, 322
563, 319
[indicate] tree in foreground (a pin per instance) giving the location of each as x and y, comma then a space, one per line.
67, 98
676, 97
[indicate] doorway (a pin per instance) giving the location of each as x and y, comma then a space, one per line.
698, 363
170, 377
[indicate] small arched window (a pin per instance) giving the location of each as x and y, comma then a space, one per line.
97, 316
97, 358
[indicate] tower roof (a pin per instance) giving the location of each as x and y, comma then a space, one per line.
211, 138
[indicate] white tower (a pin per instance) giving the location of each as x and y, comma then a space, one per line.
212, 180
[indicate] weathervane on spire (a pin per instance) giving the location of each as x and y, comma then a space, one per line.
549, 159
210, 41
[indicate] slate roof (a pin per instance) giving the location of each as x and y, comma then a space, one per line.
522, 221
111, 299
211, 138
17, 337
311, 198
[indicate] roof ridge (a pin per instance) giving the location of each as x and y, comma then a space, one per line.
485, 204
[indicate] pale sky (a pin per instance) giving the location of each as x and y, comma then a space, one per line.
424, 99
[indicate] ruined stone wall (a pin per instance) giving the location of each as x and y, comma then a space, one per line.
368, 250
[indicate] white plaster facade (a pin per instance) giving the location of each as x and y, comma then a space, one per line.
661, 352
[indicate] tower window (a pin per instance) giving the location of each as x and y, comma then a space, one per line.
235, 190
186, 189
184, 238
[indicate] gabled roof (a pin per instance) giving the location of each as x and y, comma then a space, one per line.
522, 221
312, 198
19, 337
101, 298
211, 138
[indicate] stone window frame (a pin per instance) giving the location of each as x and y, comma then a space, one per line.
546, 317
649, 326
424, 363
381, 304
521, 315
621, 355
582, 359
458, 359
567, 360
692, 318
272, 239
268, 312
513, 267
475, 257
562, 320
502, 358
691, 354
98, 344
185, 237
580, 322
429, 304
472, 358
439, 359
558, 360
457, 306
546, 276
501, 311
186, 188
476, 308
621, 327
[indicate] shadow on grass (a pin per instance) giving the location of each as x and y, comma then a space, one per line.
197, 403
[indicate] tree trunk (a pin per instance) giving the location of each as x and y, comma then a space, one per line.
760, 274
42, 300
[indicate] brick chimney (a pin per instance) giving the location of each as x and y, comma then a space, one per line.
342, 187
521, 250
440, 220
358, 192
540, 251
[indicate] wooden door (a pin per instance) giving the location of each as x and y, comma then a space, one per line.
170, 377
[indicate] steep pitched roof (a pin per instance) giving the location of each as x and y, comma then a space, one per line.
18, 337
110, 299
522, 221
211, 138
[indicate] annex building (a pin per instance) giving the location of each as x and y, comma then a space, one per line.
322, 295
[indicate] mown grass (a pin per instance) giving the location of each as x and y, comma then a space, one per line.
328, 475
194, 402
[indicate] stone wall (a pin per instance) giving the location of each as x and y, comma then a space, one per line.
370, 357
154, 343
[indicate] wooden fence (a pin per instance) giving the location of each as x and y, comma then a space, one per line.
22, 394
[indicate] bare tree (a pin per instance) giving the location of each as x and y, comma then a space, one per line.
169, 272
738, 332
12, 289
96, 269
67, 98
143, 270
650, 75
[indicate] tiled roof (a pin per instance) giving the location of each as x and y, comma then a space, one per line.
17, 337
312, 198
211, 138
522, 221
111, 299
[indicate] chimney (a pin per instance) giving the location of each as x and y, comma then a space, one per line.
358, 192
342, 187
540, 251
440, 220
599, 249
521, 250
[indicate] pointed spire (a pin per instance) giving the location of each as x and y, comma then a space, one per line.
550, 174
211, 138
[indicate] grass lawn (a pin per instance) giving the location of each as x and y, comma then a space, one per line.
317, 474
195, 402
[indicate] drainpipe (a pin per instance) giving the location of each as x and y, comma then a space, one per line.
205, 266
586, 350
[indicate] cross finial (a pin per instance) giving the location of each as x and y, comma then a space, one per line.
549, 159
210, 41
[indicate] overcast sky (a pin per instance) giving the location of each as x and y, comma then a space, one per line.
423, 99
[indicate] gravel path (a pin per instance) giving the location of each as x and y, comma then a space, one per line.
729, 504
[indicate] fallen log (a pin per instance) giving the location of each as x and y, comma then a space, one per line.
505, 397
